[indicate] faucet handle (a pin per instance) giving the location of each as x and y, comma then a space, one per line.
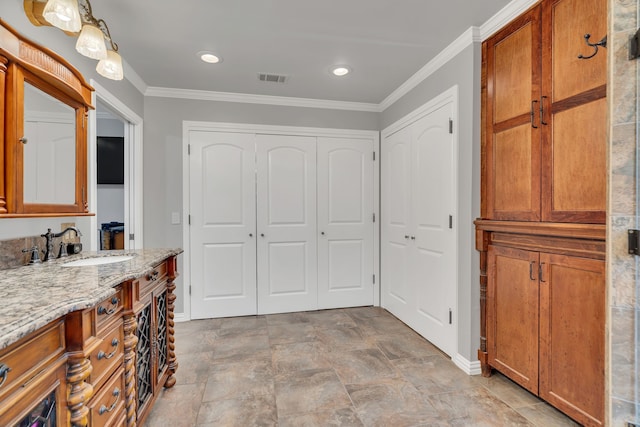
35, 254
63, 250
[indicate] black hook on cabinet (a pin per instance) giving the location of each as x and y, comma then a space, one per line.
595, 46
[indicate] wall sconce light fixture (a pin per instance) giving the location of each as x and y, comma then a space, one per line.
76, 19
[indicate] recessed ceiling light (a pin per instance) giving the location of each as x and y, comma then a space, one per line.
340, 70
209, 57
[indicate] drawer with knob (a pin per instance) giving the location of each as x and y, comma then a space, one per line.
23, 361
107, 406
149, 281
106, 356
108, 310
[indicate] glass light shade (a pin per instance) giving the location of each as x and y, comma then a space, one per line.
63, 14
91, 42
111, 67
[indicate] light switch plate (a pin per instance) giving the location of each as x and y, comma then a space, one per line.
175, 217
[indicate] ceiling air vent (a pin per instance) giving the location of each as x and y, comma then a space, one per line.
273, 78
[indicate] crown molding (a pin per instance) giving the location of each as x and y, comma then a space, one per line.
470, 36
260, 99
504, 16
133, 77
458, 45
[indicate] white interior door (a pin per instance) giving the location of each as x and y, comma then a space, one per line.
345, 222
434, 273
286, 213
396, 220
223, 221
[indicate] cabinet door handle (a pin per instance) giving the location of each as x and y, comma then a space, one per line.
542, 111
406, 236
107, 311
103, 355
531, 270
4, 371
533, 114
153, 276
116, 394
540, 273
413, 237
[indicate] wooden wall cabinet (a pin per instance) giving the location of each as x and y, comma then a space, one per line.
44, 115
541, 236
545, 116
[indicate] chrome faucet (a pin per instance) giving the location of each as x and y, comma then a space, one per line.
49, 236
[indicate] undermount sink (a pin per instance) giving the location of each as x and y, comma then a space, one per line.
97, 261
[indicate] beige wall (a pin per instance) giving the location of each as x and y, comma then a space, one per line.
623, 215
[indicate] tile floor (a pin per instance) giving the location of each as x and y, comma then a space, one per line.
346, 367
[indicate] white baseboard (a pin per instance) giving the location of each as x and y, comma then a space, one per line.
180, 317
469, 367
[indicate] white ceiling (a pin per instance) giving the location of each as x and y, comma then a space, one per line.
384, 41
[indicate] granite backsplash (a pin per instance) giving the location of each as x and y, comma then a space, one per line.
11, 254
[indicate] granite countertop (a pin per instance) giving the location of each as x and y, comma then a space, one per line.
34, 295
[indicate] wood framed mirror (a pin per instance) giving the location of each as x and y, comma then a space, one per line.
43, 149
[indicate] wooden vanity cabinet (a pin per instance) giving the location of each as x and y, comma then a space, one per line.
153, 305
101, 366
32, 378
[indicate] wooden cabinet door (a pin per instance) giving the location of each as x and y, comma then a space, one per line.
513, 67
572, 319
512, 314
574, 119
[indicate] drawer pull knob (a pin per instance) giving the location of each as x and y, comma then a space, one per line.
103, 355
116, 394
4, 371
153, 276
114, 306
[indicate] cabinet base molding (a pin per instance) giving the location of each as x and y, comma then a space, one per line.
483, 360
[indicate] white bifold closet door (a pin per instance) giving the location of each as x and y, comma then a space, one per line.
223, 222
279, 223
286, 214
418, 229
345, 222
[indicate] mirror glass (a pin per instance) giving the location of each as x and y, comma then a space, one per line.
49, 150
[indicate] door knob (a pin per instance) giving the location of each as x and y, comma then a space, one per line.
322, 232
250, 234
406, 237
413, 237
261, 234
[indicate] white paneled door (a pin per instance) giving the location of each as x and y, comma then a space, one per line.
286, 218
418, 230
223, 221
397, 248
345, 222
433, 190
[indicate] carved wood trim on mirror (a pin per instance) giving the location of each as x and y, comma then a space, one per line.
43, 145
